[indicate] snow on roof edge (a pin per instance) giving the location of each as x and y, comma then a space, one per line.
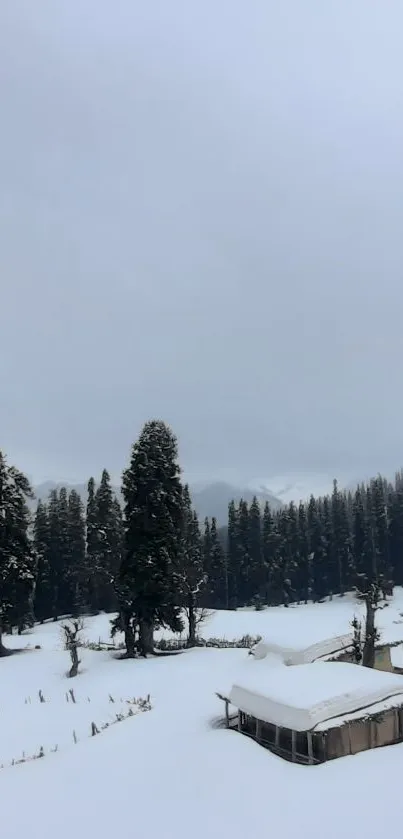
303, 696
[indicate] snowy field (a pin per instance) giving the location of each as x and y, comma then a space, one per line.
170, 771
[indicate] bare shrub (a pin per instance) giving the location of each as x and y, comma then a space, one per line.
72, 642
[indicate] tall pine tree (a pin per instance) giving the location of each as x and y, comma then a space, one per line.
17, 557
153, 524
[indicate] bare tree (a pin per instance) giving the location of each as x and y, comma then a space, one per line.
72, 642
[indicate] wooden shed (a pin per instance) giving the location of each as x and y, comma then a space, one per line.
316, 712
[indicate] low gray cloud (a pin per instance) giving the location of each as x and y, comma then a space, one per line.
200, 219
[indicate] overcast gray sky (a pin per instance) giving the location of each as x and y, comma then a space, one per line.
201, 219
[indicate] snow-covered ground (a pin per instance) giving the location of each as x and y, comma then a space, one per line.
171, 772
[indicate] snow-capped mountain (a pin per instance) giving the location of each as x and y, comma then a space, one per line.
209, 500
297, 487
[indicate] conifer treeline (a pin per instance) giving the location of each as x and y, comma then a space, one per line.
327, 546
78, 551
71, 559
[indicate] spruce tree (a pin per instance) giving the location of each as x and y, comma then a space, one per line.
206, 560
288, 526
395, 516
43, 592
105, 558
380, 524
92, 547
364, 555
153, 526
117, 543
257, 568
77, 569
269, 551
218, 579
55, 566
66, 584
341, 540
304, 578
17, 556
233, 557
330, 552
317, 547
245, 586
190, 576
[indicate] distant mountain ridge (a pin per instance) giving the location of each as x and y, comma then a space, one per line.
208, 501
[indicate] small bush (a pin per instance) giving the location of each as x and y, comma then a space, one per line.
244, 643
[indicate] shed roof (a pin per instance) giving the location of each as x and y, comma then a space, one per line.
303, 696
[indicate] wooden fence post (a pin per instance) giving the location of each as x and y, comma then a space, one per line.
310, 747
293, 745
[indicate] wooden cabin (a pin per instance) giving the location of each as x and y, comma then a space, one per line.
315, 712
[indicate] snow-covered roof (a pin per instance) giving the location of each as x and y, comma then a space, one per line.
303, 696
299, 654
379, 708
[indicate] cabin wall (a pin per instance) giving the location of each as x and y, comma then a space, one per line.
383, 660
349, 739
360, 735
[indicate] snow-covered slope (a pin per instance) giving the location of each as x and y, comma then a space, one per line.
170, 773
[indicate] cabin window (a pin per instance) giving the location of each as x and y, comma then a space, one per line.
301, 745
285, 739
268, 732
318, 747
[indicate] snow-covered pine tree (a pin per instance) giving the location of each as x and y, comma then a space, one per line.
206, 558
257, 570
77, 568
288, 528
190, 576
380, 529
105, 543
17, 556
233, 556
329, 547
153, 526
270, 550
304, 570
395, 516
317, 547
66, 586
363, 548
92, 546
341, 539
54, 553
218, 578
43, 592
245, 586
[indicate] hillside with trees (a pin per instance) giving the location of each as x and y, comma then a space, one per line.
152, 560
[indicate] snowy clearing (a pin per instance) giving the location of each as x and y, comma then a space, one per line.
206, 781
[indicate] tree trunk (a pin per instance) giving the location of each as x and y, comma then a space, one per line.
74, 659
3, 651
146, 637
368, 653
191, 640
130, 641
